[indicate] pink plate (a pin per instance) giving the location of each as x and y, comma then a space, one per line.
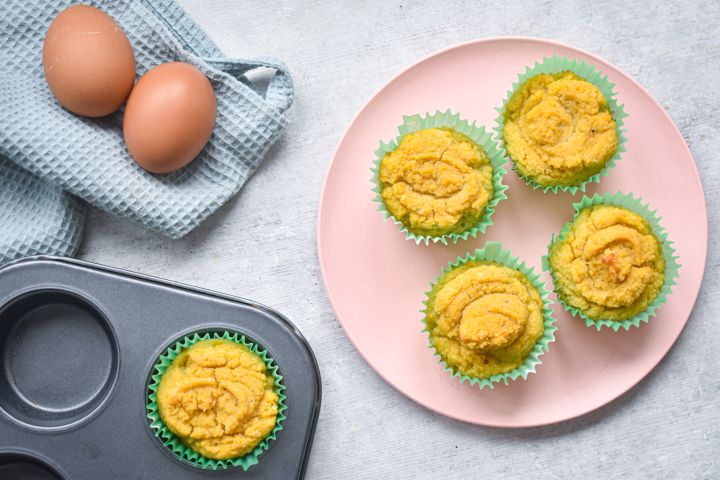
375, 278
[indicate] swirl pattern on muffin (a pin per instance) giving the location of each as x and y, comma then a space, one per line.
218, 398
559, 129
437, 181
484, 318
610, 265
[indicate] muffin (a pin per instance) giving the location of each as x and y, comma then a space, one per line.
219, 398
437, 181
558, 129
484, 317
608, 264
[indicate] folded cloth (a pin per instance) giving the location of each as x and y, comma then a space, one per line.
88, 158
37, 217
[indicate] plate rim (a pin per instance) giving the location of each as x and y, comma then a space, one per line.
444, 51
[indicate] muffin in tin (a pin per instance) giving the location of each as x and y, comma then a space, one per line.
216, 400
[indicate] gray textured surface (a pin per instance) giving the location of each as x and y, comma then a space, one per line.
262, 245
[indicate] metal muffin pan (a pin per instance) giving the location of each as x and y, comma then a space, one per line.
77, 345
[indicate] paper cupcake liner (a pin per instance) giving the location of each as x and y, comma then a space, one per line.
672, 266
446, 119
173, 443
494, 252
557, 64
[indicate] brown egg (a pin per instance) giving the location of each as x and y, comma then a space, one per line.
169, 117
89, 63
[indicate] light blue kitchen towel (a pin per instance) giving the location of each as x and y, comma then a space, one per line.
79, 158
37, 217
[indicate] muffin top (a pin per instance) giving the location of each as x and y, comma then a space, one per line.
484, 318
436, 181
610, 264
218, 398
558, 129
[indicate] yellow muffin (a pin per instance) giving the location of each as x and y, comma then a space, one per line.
218, 398
437, 181
558, 129
610, 265
484, 318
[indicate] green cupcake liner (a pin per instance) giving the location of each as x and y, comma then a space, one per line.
446, 119
557, 64
173, 443
494, 252
672, 266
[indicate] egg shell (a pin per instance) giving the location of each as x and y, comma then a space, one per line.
88, 61
169, 117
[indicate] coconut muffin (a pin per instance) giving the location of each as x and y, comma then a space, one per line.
436, 182
484, 318
610, 265
218, 398
558, 129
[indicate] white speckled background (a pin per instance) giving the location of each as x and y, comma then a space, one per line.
262, 245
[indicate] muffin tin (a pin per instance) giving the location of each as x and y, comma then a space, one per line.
77, 344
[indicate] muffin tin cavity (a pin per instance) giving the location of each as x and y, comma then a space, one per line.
26, 466
59, 359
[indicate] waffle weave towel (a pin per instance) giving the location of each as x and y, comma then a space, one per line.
72, 156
